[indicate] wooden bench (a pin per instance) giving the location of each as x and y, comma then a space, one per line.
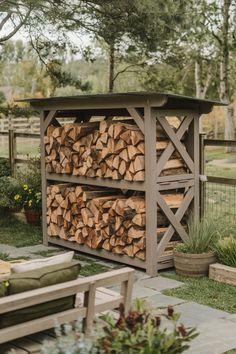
92, 298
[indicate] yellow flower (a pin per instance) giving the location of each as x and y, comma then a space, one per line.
17, 197
25, 187
30, 202
6, 284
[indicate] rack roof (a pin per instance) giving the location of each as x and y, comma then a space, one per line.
121, 100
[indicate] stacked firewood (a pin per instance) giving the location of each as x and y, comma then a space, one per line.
102, 218
109, 149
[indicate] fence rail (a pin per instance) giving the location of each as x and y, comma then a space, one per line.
12, 136
31, 124
217, 142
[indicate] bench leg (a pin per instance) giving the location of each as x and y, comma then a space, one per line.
126, 292
89, 303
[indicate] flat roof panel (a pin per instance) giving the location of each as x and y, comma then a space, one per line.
122, 100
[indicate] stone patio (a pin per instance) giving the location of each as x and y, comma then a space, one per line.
217, 329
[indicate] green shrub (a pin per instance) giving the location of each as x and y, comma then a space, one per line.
226, 251
31, 174
29, 196
201, 236
138, 333
4, 167
9, 187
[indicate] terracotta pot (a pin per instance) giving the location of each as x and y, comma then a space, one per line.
32, 217
193, 265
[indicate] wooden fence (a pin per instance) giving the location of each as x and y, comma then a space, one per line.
29, 125
12, 135
218, 194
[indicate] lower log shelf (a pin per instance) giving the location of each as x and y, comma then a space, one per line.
165, 261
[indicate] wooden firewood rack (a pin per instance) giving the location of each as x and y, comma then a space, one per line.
147, 110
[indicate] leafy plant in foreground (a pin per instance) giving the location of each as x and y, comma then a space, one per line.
141, 332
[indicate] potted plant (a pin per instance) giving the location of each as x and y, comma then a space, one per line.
30, 196
195, 254
31, 200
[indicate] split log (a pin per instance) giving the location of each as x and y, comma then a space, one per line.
111, 149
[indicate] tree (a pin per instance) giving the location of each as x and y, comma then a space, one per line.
133, 31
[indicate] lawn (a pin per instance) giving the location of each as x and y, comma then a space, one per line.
15, 232
219, 169
204, 291
24, 147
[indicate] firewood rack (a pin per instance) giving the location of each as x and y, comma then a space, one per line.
147, 110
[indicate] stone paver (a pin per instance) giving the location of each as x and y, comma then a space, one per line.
215, 337
217, 329
161, 283
193, 314
30, 251
160, 301
140, 291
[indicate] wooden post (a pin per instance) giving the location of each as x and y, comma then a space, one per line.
150, 180
89, 303
12, 151
202, 172
126, 292
44, 181
192, 146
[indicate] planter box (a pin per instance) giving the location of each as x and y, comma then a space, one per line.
222, 273
193, 265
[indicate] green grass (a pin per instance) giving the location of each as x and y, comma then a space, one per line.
204, 291
15, 232
5, 257
93, 269
232, 351
220, 171
24, 147
78, 257
47, 253
218, 154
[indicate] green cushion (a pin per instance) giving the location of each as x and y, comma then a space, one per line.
36, 279
30, 313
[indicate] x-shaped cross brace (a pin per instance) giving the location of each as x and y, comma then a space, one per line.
174, 219
175, 143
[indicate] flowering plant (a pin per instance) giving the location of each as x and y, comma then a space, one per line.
29, 198
140, 332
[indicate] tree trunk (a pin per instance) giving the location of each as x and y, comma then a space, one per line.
224, 67
201, 87
198, 81
111, 67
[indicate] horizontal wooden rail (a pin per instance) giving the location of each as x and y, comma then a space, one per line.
22, 135
4, 133
216, 142
221, 180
